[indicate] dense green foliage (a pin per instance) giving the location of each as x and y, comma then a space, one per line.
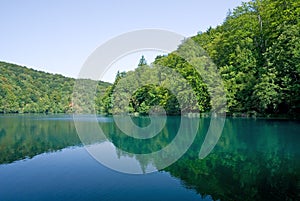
24, 90
257, 50
257, 53
142, 90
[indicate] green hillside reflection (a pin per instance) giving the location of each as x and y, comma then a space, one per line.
25, 136
253, 160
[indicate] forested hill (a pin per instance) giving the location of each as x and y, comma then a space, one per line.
257, 53
257, 50
24, 90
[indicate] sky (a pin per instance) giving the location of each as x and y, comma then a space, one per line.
57, 36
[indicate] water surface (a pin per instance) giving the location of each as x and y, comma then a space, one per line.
42, 158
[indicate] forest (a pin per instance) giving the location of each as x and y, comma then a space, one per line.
24, 90
256, 51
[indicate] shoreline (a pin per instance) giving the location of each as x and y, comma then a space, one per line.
191, 115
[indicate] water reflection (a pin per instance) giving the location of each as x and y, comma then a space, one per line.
24, 136
159, 152
253, 160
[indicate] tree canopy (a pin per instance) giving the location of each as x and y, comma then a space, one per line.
257, 53
24, 90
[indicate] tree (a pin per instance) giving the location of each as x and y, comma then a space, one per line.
142, 61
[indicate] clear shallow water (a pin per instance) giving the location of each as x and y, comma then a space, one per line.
42, 158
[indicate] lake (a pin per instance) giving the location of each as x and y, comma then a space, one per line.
42, 158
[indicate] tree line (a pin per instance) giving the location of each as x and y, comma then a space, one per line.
257, 54
24, 90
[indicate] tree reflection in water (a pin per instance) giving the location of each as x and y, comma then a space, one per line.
253, 160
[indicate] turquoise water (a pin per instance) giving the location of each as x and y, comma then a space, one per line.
42, 158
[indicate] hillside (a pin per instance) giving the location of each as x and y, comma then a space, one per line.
257, 53
24, 90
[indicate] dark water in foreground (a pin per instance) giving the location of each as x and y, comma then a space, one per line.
42, 158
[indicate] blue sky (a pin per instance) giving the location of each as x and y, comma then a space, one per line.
57, 36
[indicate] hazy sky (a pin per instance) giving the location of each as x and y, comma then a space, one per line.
58, 35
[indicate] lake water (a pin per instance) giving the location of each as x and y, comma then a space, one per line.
42, 158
